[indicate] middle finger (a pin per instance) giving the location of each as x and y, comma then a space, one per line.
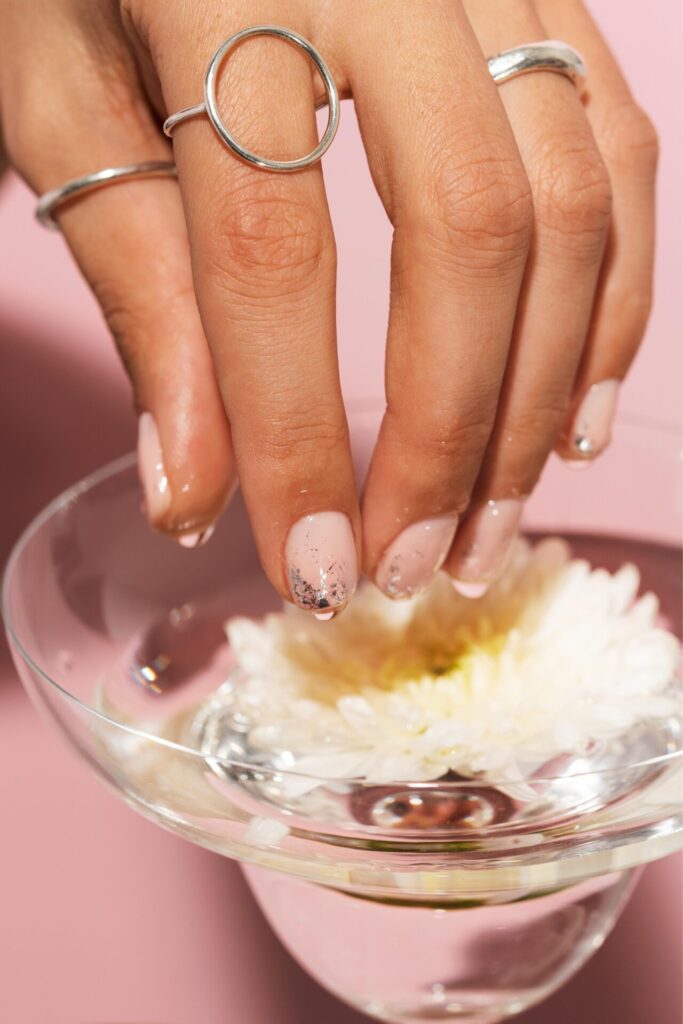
445, 162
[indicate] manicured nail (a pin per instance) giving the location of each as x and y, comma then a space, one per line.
326, 616
321, 562
412, 561
152, 470
484, 544
591, 430
470, 590
196, 539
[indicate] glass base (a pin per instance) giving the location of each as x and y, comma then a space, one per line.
414, 964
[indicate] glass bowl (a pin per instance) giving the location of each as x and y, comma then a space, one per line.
450, 900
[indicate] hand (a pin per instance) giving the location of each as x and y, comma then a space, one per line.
521, 269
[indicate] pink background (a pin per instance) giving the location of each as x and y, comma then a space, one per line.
105, 919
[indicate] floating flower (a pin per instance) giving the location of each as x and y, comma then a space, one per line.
554, 659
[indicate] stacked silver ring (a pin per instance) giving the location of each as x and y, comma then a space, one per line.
548, 55
49, 201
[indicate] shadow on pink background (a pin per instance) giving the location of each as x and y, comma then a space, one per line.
104, 918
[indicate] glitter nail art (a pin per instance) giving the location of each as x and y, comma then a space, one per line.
592, 427
484, 543
321, 562
415, 556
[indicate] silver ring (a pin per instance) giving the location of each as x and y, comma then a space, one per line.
210, 104
549, 55
48, 203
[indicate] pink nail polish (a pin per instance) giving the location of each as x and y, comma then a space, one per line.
412, 560
152, 470
483, 545
196, 539
470, 590
321, 562
591, 429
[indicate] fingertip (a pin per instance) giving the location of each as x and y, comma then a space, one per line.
472, 591
197, 538
412, 560
590, 429
576, 463
484, 544
321, 562
183, 499
327, 616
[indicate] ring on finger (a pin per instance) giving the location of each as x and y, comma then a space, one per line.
548, 55
210, 104
50, 201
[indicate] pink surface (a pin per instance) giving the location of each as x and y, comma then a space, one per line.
104, 918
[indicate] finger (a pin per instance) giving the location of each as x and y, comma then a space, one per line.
571, 193
131, 244
448, 171
264, 266
628, 143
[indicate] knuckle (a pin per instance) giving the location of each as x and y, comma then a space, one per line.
535, 427
520, 445
630, 139
446, 440
573, 193
266, 235
484, 207
128, 323
304, 438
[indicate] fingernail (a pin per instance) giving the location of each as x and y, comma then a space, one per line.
196, 539
470, 590
410, 563
577, 463
321, 561
152, 471
484, 544
326, 616
591, 430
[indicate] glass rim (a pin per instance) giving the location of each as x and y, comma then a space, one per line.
127, 462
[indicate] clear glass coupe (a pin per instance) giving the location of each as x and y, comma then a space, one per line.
451, 900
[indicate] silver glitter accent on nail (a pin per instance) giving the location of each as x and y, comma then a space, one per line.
583, 444
331, 591
396, 586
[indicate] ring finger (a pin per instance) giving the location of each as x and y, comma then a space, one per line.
572, 202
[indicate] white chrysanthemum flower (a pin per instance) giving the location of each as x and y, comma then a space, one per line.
553, 659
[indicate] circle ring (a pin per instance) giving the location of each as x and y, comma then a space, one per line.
211, 99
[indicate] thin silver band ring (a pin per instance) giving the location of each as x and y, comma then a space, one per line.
48, 203
549, 55
210, 104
